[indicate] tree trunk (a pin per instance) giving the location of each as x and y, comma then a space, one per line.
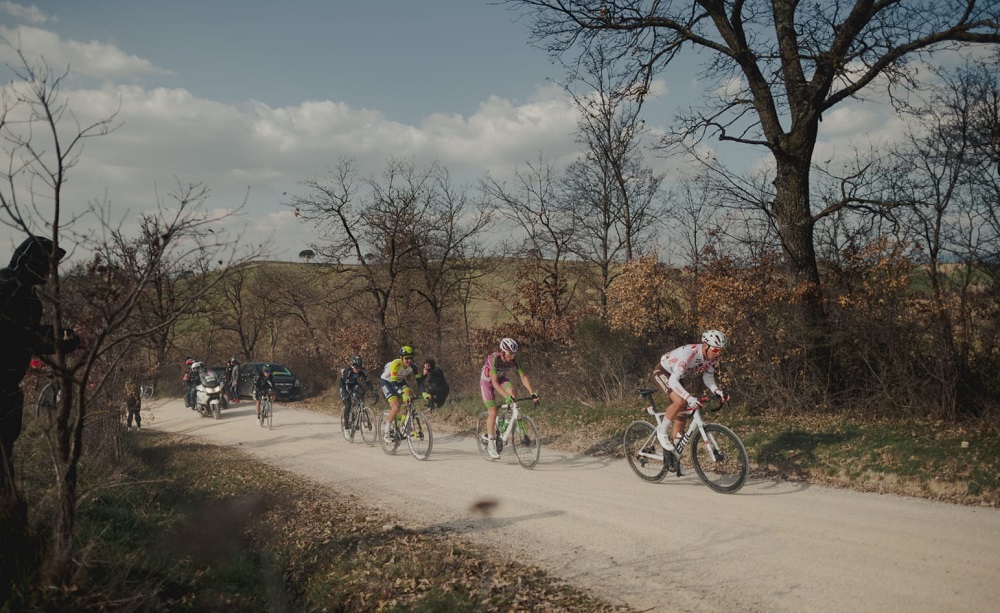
796, 227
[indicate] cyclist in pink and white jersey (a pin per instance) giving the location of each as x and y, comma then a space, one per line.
680, 363
494, 380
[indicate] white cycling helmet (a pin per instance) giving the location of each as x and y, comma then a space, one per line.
197, 367
509, 345
715, 338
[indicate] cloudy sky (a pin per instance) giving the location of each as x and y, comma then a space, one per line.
251, 98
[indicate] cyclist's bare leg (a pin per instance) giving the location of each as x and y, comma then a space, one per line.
676, 404
394, 403
491, 421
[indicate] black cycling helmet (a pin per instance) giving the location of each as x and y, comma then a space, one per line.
266, 369
406, 352
356, 362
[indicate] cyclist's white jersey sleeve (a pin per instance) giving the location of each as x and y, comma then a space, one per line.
688, 360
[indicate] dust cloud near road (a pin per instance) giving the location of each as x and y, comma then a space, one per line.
670, 546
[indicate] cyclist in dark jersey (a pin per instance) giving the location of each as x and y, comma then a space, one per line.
351, 380
264, 384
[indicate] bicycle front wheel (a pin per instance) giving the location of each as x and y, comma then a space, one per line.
482, 440
388, 442
419, 436
270, 414
527, 447
643, 451
346, 428
47, 398
366, 424
147, 391
721, 461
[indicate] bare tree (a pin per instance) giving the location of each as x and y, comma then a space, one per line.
775, 67
616, 199
536, 202
948, 172
246, 308
371, 229
451, 255
104, 298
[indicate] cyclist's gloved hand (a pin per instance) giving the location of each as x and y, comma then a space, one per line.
426, 396
534, 398
693, 402
722, 395
508, 400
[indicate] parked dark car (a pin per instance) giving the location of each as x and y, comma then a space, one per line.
286, 384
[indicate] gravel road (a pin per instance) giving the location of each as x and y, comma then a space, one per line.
671, 546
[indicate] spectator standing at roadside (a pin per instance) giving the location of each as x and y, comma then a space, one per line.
233, 376
432, 385
23, 335
133, 405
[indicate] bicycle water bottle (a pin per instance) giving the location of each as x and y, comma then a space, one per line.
501, 425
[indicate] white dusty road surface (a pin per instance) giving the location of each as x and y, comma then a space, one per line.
671, 546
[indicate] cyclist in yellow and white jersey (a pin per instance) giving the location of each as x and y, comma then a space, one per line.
395, 385
674, 366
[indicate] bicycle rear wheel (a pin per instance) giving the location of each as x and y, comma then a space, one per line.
366, 424
419, 437
722, 461
525, 441
643, 451
388, 446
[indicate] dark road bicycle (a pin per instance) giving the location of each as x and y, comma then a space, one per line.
411, 426
362, 420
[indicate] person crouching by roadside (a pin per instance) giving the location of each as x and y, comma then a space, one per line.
432, 385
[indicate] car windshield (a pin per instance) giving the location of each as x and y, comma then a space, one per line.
278, 369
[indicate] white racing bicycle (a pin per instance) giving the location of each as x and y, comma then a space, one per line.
512, 428
717, 454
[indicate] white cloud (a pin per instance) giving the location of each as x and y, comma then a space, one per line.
166, 136
30, 14
89, 59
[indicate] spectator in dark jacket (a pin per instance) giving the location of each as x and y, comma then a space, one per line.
233, 378
133, 406
432, 384
23, 335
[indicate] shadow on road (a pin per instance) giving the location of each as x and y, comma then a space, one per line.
484, 524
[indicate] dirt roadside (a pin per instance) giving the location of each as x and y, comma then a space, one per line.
672, 546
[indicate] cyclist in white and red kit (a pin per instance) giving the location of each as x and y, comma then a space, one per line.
679, 364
